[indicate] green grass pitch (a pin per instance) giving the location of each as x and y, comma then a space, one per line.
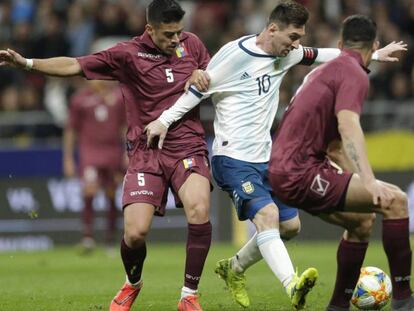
62, 280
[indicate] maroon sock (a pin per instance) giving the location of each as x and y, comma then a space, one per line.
87, 217
396, 242
349, 257
111, 221
198, 244
133, 259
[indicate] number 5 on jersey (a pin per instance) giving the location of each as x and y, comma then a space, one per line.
169, 74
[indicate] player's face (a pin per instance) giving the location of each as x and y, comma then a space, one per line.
286, 39
166, 36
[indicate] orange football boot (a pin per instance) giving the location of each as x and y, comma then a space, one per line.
189, 303
125, 297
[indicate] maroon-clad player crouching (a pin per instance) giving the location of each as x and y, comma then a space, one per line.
152, 70
326, 109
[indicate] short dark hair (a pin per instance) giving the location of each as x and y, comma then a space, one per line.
289, 13
358, 31
164, 11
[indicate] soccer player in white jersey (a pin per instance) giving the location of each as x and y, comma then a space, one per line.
245, 78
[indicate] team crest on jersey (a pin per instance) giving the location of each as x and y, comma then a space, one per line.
319, 185
248, 187
181, 51
276, 64
189, 163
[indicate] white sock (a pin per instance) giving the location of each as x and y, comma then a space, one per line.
136, 285
185, 291
247, 256
275, 254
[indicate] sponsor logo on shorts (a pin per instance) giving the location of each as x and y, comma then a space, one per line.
319, 185
248, 187
141, 192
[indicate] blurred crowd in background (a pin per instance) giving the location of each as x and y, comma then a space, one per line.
48, 28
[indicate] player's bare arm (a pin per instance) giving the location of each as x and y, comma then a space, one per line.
56, 66
353, 142
384, 54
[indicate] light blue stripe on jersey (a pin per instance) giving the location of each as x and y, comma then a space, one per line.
195, 91
267, 236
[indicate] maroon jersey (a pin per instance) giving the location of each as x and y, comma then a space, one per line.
98, 122
151, 82
310, 122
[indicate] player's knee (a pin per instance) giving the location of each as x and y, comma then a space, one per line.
399, 207
90, 190
198, 212
290, 231
134, 237
266, 218
364, 228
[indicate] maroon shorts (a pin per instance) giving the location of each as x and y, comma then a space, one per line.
145, 183
320, 189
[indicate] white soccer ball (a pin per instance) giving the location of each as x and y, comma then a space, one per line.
373, 290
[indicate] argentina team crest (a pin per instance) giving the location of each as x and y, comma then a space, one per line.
248, 187
181, 50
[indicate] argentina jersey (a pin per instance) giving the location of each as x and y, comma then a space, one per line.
244, 86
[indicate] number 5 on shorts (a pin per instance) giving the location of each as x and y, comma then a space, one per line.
141, 179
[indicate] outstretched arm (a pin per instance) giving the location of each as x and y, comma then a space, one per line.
56, 66
383, 55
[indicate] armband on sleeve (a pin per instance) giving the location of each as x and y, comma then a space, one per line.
309, 56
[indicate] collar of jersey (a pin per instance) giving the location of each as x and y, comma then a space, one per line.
149, 44
358, 58
255, 54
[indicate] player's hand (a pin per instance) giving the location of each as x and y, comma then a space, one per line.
153, 130
200, 79
385, 54
12, 58
381, 194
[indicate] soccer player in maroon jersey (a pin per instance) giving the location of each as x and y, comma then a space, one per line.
97, 124
326, 109
152, 70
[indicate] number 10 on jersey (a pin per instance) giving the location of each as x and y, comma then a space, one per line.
263, 83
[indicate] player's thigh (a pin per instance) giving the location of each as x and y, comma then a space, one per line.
358, 226
359, 200
195, 196
245, 184
137, 220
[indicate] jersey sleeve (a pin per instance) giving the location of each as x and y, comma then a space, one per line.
351, 89
104, 65
203, 56
311, 55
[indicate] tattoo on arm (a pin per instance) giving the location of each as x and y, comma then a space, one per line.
352, 153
